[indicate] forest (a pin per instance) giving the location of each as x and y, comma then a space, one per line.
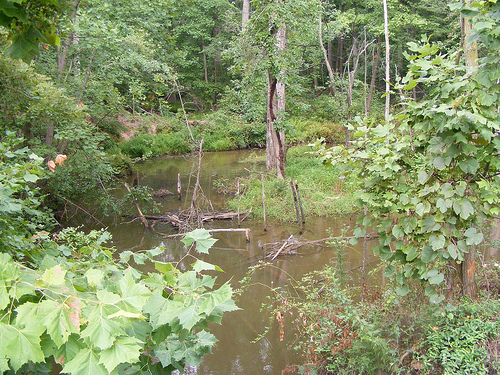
393, 106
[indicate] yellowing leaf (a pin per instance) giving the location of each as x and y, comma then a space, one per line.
54, 276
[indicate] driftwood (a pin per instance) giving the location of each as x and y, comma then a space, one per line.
181, 219
160, 193
246, 230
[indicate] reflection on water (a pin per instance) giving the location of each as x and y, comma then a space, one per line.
236, 353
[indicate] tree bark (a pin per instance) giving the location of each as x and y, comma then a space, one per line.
374, 76
469, 264
245, 14
387, 64
275, 140
62, 53
325, 55
87, 75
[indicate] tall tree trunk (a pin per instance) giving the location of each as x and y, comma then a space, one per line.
245, 14
87, 75
365, 98
275, 141
49, 134
205, 67
325, 55
387, 64
469, 263
351, 73
374, 75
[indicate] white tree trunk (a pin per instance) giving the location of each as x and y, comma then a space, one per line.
245, 14
387, 63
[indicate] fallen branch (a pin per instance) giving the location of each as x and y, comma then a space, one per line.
288, 246
180, 219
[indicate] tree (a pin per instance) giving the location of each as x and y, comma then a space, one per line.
387, 63
430, 182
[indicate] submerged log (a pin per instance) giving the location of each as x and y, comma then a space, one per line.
291, 244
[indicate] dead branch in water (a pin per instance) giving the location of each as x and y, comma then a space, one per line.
245, 230
143, 219
292, 243
181, 220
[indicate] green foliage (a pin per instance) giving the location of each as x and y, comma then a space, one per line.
458, 342
93, 314
148, 145
429, 182
388, 334
72, 301
307, 130
29, 23
20, 216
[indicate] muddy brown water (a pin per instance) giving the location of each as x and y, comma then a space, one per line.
238, 351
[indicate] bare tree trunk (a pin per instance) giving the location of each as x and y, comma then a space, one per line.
325, 55
49, 134
87, 75
245, 14
205, 68
365, 98
275, 141
387, 64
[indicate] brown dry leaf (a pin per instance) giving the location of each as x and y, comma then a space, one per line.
74, 316
51, 165
60, 159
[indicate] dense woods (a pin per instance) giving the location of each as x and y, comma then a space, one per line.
408, 92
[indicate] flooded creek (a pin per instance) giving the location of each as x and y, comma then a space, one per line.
237, 352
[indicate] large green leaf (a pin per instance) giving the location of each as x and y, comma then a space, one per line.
86, 362
202, 238
133, 294
124, 350
21, 346
101, 330
60, 324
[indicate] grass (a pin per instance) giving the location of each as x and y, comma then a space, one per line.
324, 190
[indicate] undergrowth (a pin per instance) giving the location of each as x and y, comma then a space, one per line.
385, 335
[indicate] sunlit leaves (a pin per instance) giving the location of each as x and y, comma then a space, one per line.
123, 350
86, 362
101, 330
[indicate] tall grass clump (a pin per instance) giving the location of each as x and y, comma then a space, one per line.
324, 191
